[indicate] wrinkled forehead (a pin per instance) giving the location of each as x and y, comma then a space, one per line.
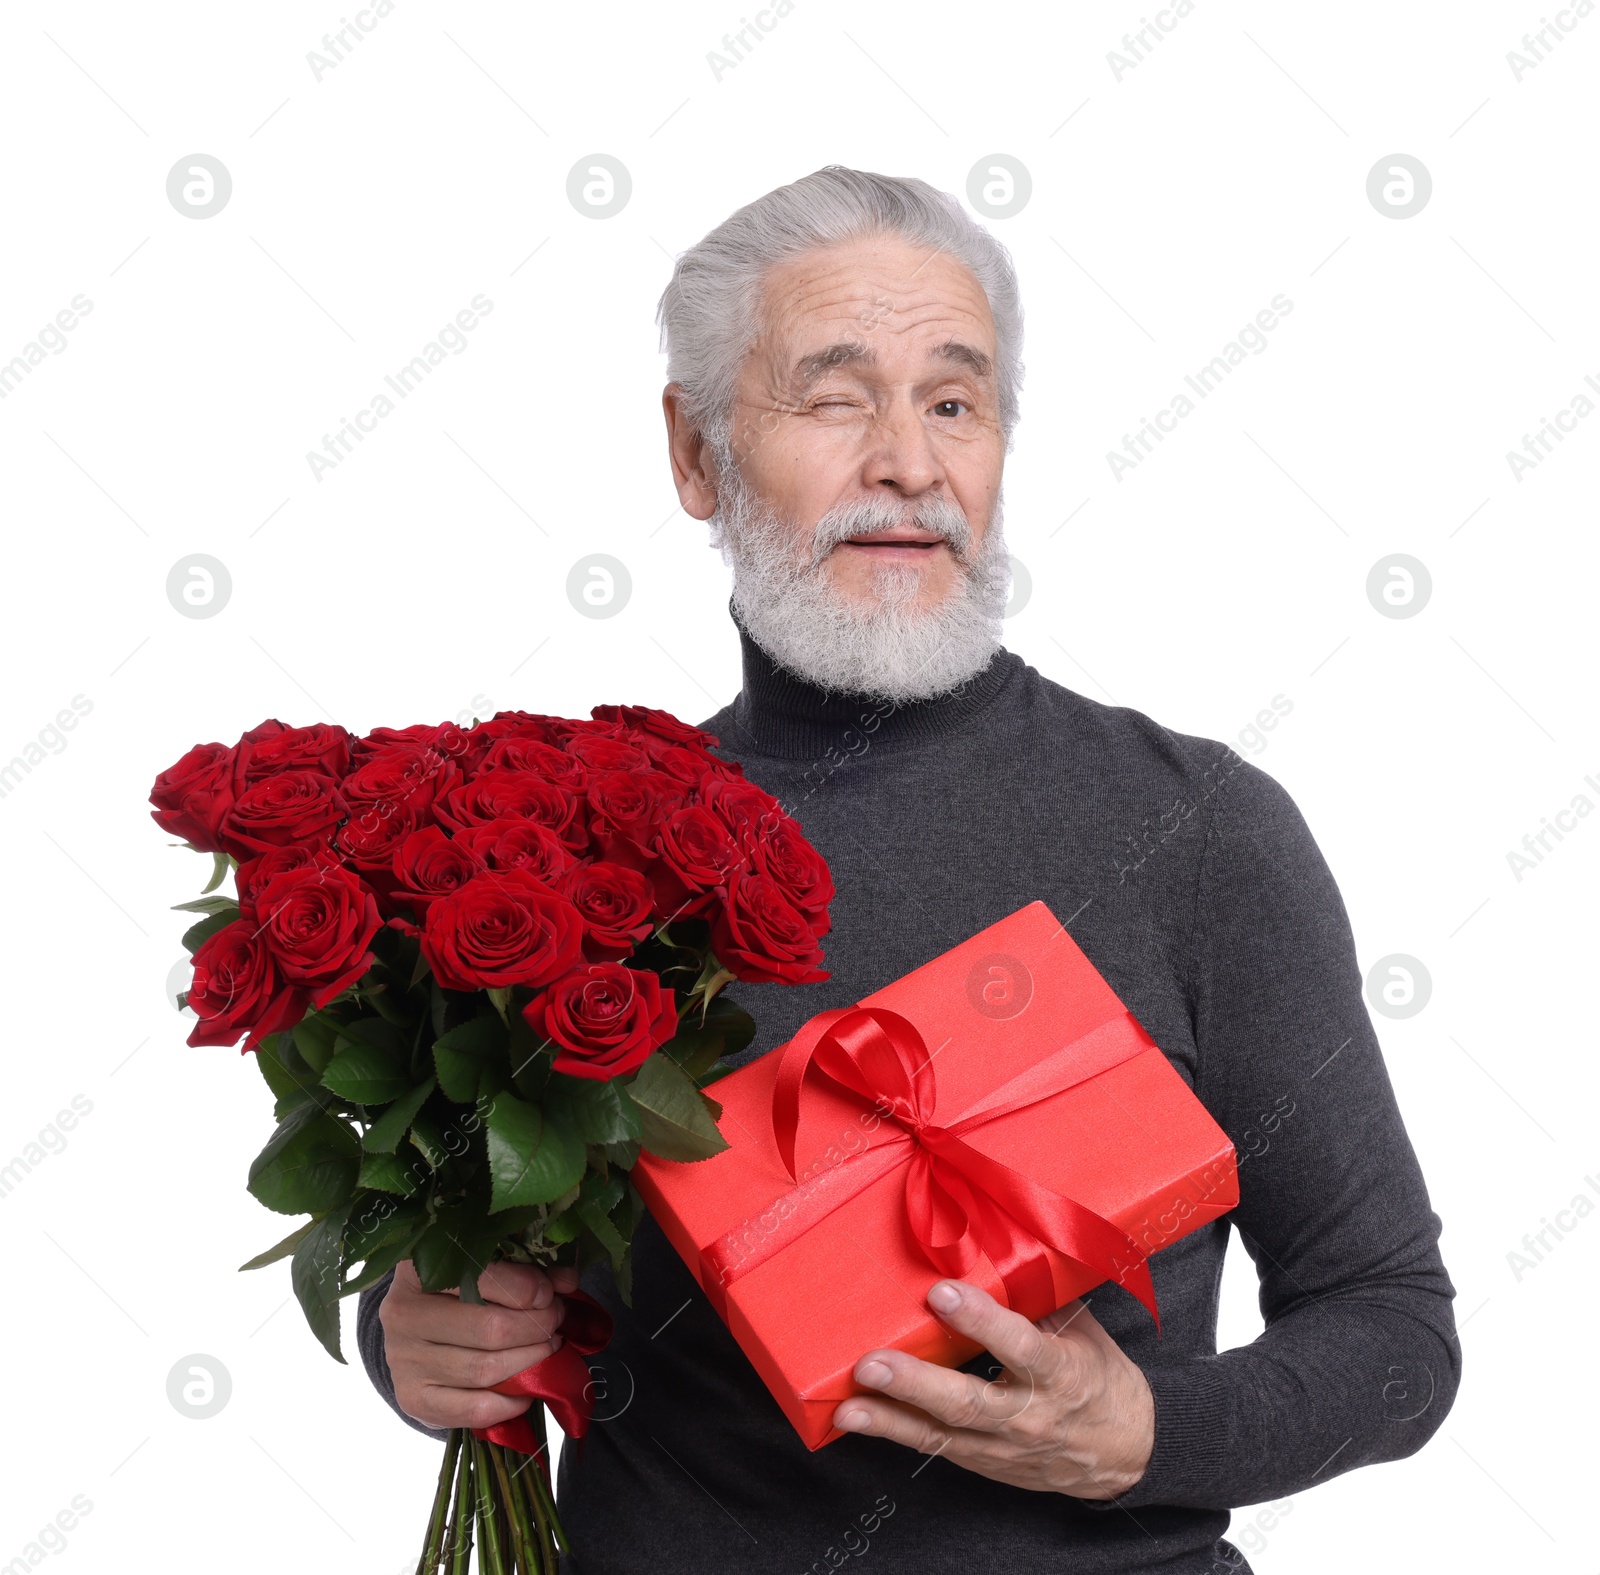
874, 303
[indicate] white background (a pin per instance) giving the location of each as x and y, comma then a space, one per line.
425, 576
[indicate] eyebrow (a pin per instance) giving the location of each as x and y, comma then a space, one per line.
853, 352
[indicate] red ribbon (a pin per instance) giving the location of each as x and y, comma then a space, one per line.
962, 1206
561, 1381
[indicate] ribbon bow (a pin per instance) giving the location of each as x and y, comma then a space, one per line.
561, 1381
962, 1206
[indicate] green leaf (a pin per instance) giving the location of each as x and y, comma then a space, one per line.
624, 1154
198, 934
380, 1033
673, 1114
529, 1058
500, 1000
388, 1173
282, 1250
315, 1275
309, 1165
381, 1259
531, 1159
220, 865
314, 1038
385, 1133
698, 1046
598, 1112
604, 1231
443, 1254
228, 905
429, 1138
461, 1056
366, 1075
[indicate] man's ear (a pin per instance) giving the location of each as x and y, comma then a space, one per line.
692, 471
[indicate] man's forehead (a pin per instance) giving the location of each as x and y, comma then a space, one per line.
831, 307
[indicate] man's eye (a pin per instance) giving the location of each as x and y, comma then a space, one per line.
949, 408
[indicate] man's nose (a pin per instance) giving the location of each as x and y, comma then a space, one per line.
899, 451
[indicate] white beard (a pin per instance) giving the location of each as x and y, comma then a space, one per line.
884, 646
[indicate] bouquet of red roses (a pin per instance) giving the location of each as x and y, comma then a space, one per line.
480, 971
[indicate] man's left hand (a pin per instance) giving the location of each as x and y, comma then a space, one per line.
1069, 1413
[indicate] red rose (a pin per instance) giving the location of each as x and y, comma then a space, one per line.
237, 989
606, 1018
685, 764
444, 738
403, 780
518, 844
625, 807
317, 924
193, 795
503, 927
759, 935
615, 903
600, 753
801, 873
515, 795
695, 854
323, 747
659, 724
293, 807
542, 759
741, 806
512, 724
429, 865
254, 873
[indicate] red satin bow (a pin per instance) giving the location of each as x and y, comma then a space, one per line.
561, 1381
962, 1206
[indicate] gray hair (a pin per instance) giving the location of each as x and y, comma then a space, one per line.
709, 311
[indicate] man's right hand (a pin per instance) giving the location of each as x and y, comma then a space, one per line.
445, 1354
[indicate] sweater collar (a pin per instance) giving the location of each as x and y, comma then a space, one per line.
779, 714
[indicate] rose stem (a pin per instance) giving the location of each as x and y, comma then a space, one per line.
488, 1524
433, 1550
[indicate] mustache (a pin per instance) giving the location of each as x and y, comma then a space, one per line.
937, 515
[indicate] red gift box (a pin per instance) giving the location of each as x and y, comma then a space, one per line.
996, 1115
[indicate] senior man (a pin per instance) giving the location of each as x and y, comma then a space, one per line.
844, 366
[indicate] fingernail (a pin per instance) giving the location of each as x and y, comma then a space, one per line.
877, 1374
555, 1343
944, 1296
854, 1418
542, 1293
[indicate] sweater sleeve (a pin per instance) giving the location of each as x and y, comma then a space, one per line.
1358, 1361
369, 1338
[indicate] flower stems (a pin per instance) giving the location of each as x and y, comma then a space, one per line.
433, 1549
502, 1495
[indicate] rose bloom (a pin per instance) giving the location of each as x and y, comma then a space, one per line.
317, 924
401, 782
192, 796
237, 990
542, 759
605, 1018
518, 844
608, 754
323, 747
694, 855
625, 808
615, 903
255, 873
656, 724
504, 927
759, 935
429, 865
443, 738
801, 873
288, 809
515, 795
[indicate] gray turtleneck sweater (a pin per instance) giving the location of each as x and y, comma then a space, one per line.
1192, 883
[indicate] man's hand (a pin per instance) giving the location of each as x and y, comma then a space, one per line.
1070, 1414
446, 1354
